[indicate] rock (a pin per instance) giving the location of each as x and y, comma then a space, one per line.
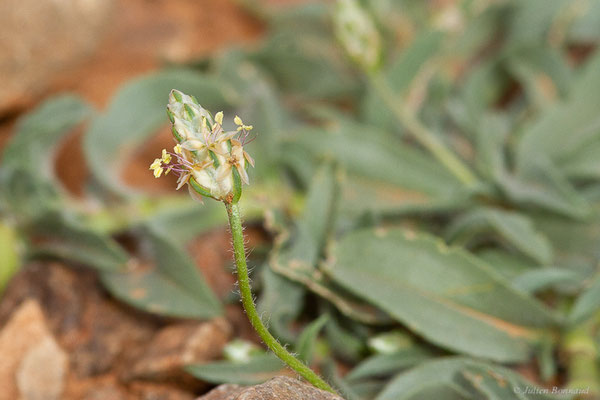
224, 392
41, 374
33, 366
94, 329
101, 387
114, 351
95, 392
40, 38
278, 388
179, 345
152, 391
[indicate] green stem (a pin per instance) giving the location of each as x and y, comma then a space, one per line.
235, 223
426, 138
582, 352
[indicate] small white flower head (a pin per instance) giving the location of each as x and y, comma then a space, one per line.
357, 32
211, 161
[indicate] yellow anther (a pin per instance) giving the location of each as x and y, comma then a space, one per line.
238, 120
157, 171
177, 149
245, 127
219, 118
166, 157
156, 164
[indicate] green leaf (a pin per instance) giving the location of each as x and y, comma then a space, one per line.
491, 135
38, 134
263, 107
530, 21
575, 243
584, 163
515, 228
305, 346
446, 295
135, 113
543, 72
330, 372
11, 259
58, 234
382, 157
461, 378
543, 186
345, 340
586, 28
567, 127
305, 62
509, 265
258, 370
400, 74
384, 174
170, 285
27, 185
543, 278
183, 221
26, 195
587, 304
281, 301
382, 365
315, 223
481, 89
296, 257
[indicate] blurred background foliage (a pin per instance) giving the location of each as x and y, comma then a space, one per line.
388, 273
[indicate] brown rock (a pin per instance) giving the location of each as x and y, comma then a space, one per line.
41, 374
97, 388
152, 391
279, 388
143, 34
103, 393
94, 329
33, 366
224, 392
114, 351
179, 345
39, 38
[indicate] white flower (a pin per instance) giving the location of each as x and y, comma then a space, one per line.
211, 161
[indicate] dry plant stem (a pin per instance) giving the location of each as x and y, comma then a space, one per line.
420, 132
235, 223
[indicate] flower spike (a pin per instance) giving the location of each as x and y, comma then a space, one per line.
210, 160
213, 163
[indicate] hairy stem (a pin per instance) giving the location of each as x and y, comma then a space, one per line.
418, 131
235, 223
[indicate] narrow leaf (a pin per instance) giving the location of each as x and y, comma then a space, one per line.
305, 346
40, 132
512, 227
171, 285
459, 377
587, 304
60, 235
258, 370
444, 294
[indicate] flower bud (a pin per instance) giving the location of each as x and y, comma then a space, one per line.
357, 32
211, 161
